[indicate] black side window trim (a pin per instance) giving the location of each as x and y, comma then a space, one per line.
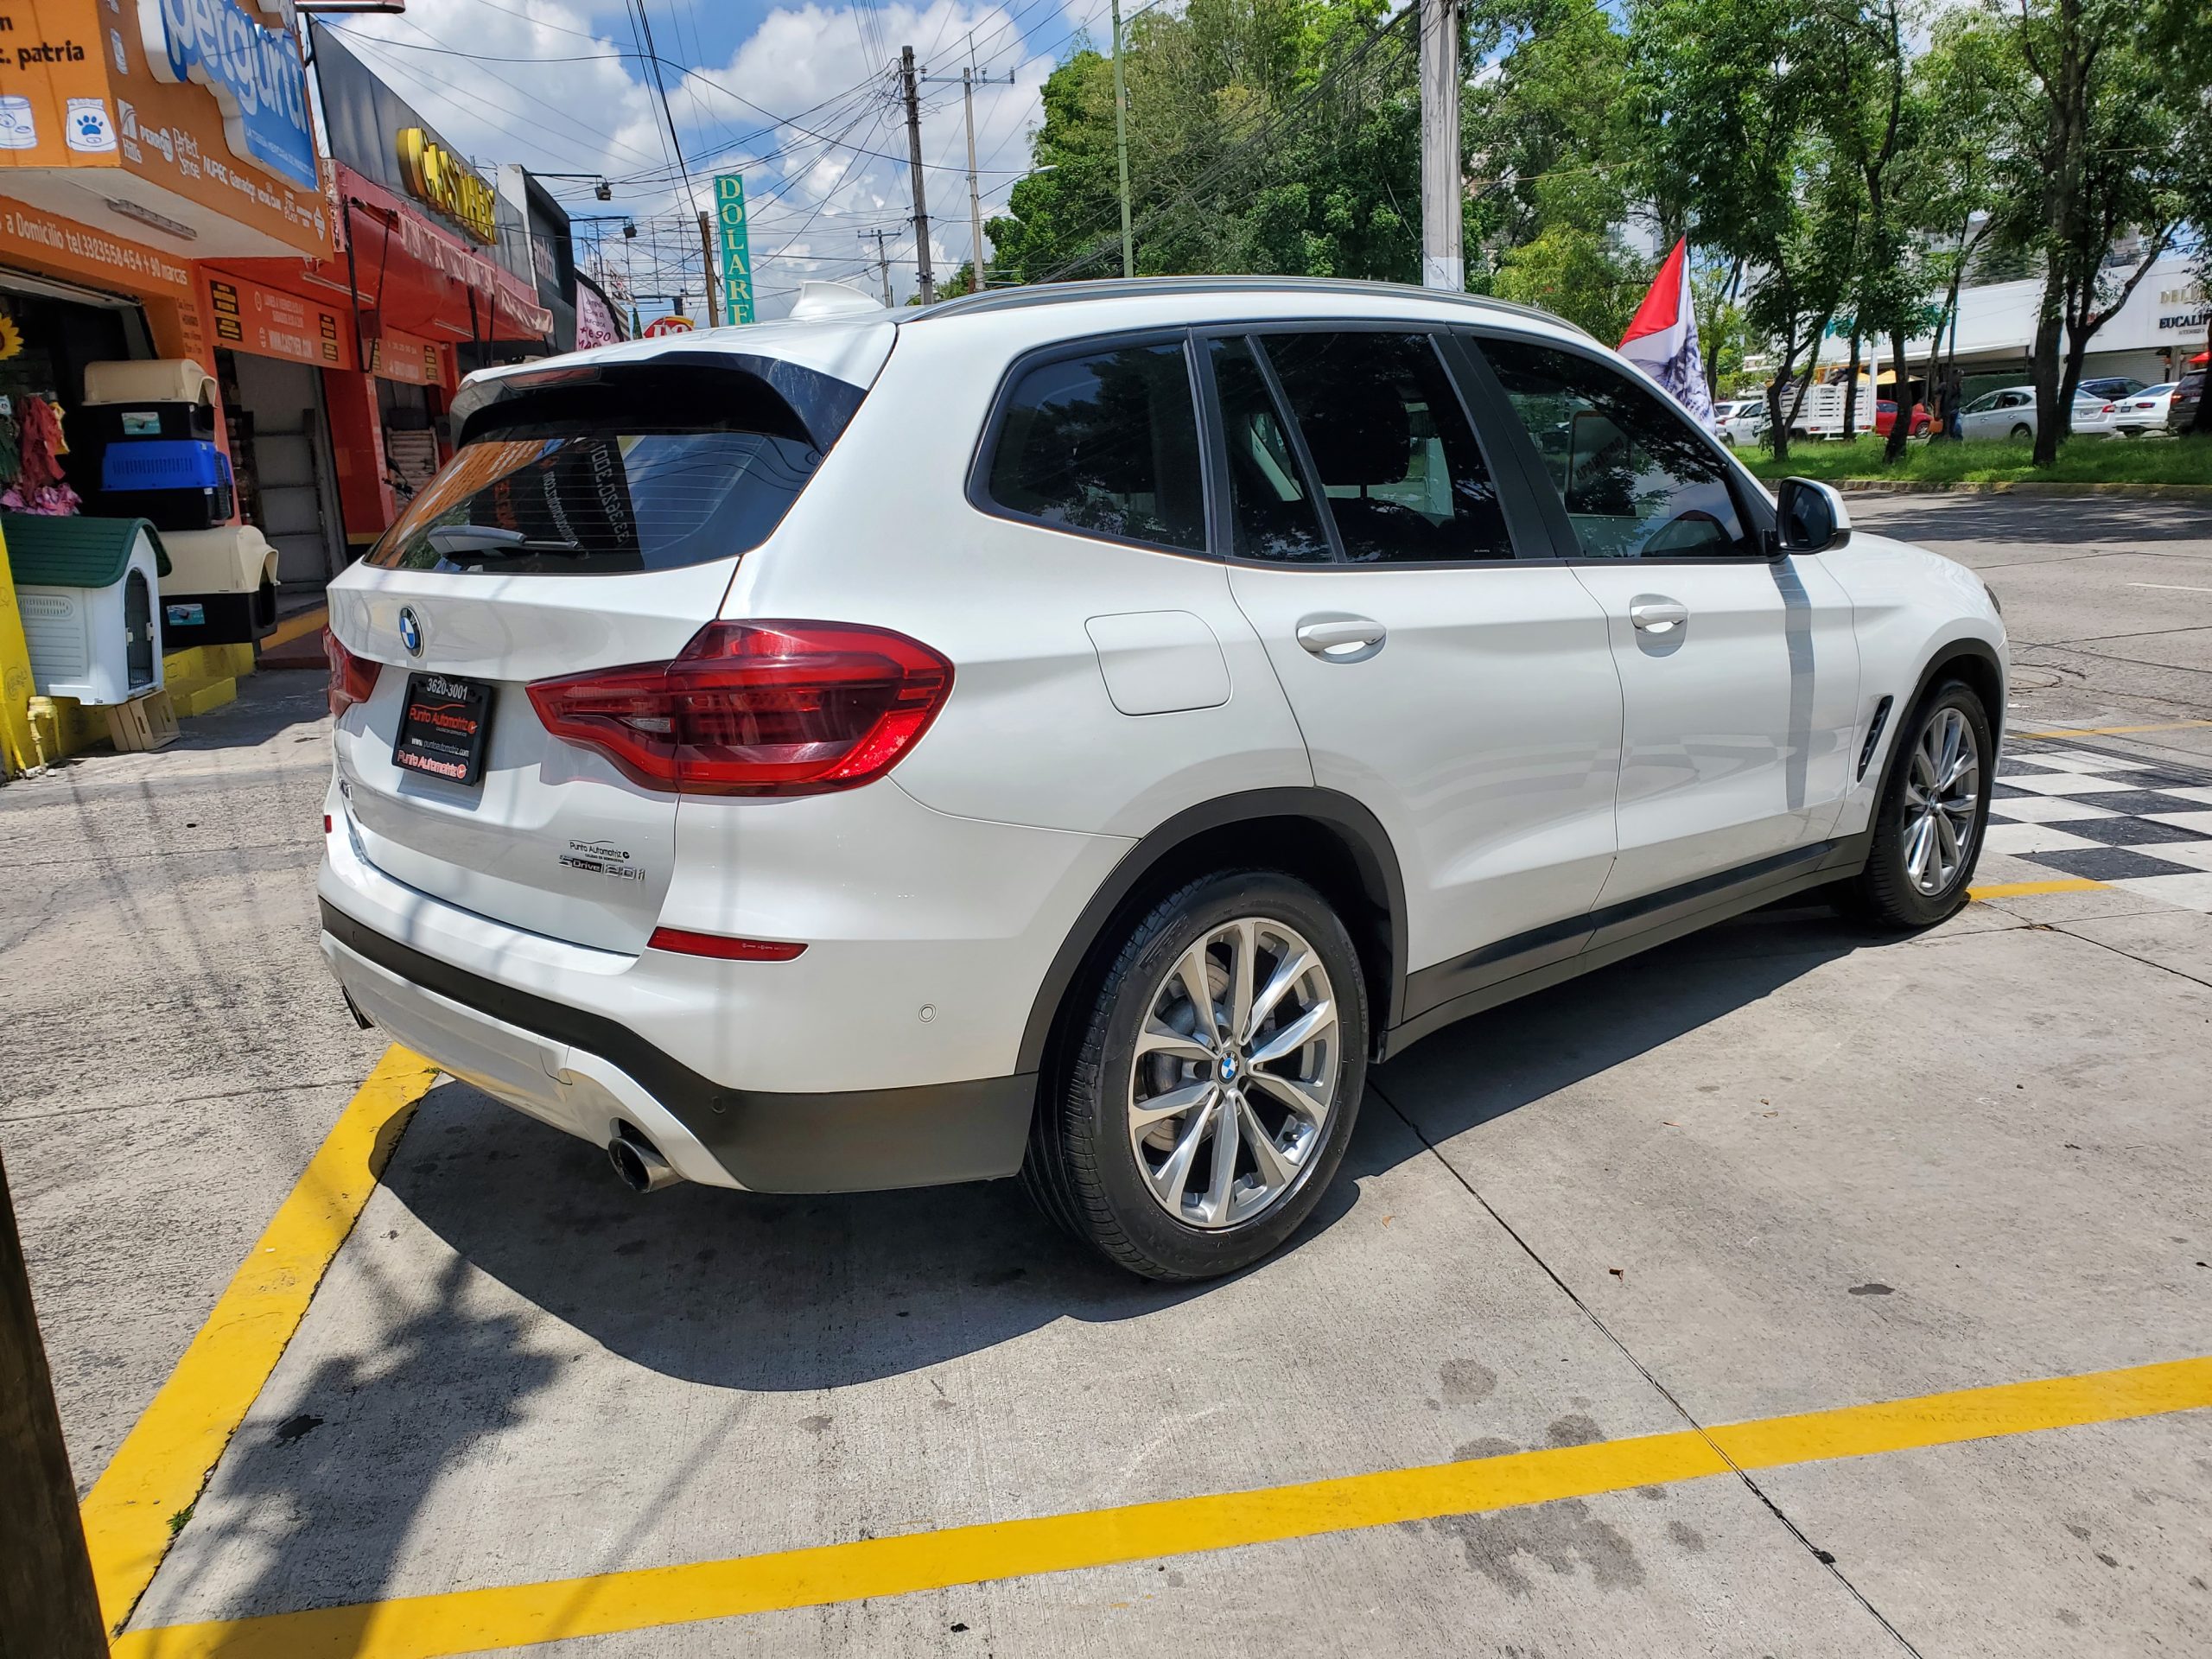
1490, 419
979, 464
1752, 505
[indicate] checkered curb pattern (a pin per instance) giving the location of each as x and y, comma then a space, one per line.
2142, 825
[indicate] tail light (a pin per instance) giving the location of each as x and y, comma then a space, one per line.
352, 679
756, 709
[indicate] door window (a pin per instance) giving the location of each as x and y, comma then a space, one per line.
1391, 446
1271, 511
1105, 441
1638, 480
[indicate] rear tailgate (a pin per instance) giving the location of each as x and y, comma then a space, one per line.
591, 520
553, 839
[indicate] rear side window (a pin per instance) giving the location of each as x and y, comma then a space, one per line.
1396, 456
1104, 441
650, 474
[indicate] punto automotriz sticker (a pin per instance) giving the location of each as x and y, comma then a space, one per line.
601, 858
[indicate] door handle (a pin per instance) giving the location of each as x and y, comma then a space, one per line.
1341, 638
1658, 616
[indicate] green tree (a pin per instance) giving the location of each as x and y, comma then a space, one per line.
1723, 94
2090, 151
1278, 136
1550, 144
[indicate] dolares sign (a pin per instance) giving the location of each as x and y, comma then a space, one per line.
254, 72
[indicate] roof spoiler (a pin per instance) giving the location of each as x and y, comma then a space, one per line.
822, 404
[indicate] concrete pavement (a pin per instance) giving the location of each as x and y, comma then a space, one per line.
1776, 1168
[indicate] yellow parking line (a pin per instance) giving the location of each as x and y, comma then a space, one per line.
159, 1469
472, 1621
292, 628
2023, 889
2113, 731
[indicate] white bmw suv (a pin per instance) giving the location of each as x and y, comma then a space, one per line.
1076, 731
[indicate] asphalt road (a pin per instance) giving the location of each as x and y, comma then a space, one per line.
2108, 602
1776, 1169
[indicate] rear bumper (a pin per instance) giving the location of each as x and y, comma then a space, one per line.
585, 1074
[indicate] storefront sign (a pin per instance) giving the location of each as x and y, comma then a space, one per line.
396, 356
34, 237
269, 323
737, 249
438, 178
664, 327
52, 73
596, 324
254, 72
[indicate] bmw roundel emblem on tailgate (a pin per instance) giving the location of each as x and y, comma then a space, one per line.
411, 631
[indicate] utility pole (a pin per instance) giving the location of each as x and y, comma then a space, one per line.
974, 201
967, 80
1122, 143
914, 156
707, 267
882, 263
1442, 190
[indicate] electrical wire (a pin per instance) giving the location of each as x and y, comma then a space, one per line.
668, 115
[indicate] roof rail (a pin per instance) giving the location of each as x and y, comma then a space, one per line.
1121, 287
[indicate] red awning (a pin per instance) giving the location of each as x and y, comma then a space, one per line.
436, 272
414, 278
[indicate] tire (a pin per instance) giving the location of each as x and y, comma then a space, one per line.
1889, 891
1109, 1179
2027, 433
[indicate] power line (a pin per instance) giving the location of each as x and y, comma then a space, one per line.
668, 115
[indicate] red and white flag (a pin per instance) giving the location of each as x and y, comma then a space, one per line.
1661, 338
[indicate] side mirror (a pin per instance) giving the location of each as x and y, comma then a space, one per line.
1810, 516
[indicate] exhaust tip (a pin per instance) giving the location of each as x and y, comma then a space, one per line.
638, 1163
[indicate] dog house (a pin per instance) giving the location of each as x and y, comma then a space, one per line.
88, 591
220, 589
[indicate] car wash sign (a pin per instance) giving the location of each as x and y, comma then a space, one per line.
254, 72
737, 251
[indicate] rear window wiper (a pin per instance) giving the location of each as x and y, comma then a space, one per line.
489, 540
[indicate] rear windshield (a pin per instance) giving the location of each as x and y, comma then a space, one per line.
604, 481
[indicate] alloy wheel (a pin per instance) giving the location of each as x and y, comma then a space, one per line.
1942, 798
1234, 1075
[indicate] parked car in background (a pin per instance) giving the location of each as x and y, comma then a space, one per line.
2011, 414
1741, 422
1886, 416
1137, 779
2181, 408
2142, 411
2094, 418
2109, 388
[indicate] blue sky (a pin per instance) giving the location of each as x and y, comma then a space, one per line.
799, 98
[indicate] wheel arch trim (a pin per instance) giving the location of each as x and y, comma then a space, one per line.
1373, 856
1939, 658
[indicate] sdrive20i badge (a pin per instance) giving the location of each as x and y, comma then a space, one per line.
601, 858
